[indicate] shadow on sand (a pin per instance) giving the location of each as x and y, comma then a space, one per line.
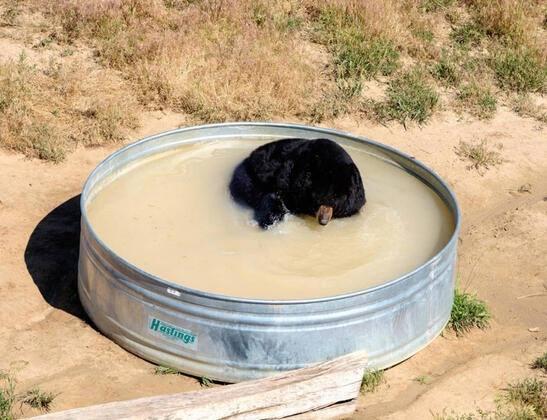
51, 257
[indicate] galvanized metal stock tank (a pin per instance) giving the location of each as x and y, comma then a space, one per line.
232, 339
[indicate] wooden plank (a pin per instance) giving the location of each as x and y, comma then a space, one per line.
338, 411
286, 394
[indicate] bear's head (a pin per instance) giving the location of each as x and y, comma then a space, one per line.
326, 182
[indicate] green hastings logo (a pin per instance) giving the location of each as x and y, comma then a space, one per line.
179, 335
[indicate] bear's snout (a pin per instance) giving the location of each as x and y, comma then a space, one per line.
324, 214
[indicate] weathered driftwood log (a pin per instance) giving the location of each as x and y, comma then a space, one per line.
287, 394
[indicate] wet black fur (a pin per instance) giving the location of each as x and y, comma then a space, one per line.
298, 176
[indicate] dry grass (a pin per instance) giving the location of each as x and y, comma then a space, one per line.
219, 60
46, 112
372, 20
530, 393
38, 399
525, 106
502, 18
480, 155
477, 99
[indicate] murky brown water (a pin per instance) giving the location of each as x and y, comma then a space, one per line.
172, 216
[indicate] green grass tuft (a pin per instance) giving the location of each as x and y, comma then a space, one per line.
467, 34
164, 370
422, 379
523, 400
446, 70
501, 413
541, 363
477, 100
372, 379
38, 399
530, 392
468, 312
435, 5
357, 55
520, 69
7, 395
205, 382
424, 34
409, 97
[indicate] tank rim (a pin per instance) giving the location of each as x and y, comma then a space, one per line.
453, 207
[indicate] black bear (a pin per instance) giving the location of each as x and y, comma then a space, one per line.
314, 177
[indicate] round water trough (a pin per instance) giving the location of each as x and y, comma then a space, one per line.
233, 339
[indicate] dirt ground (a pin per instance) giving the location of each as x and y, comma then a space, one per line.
47, 340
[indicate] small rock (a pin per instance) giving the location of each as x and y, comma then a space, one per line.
525, 188
534, 329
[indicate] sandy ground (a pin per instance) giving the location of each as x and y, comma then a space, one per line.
47, 340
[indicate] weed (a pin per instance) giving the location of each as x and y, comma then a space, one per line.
372, 379
435, 5
334, 103
523, 400
477, 100
357, 57
446, 70
43, 141
44, 42
423, 34
287, 23
481, 157
205, 382
357, 54
521, 69
9, 15
38, 399
467, 34
422, 379
503, 19
525, 107
530, 392
67, 52
7, 395
468, 312
409, 97
500, 413
176, 4
259, 14
164, 370
541, 363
